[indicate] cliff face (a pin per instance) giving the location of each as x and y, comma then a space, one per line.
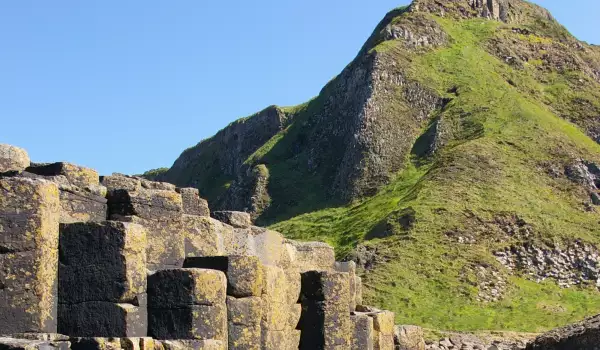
454, 159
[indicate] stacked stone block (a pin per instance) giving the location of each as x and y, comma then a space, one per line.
118, 282
325, 319
159, 208
102, 280
245, 306
187, 303
29, 215
82, 198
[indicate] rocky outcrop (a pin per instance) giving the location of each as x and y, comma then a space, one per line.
163, 268
225, 153
582, 335
575, 263
509, 11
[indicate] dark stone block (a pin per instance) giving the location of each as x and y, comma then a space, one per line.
175, 288
193, 322
207, 262
244, 273
102, 319
324, 326
326, 286
102, 262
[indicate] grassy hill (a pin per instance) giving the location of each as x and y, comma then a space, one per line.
475, 126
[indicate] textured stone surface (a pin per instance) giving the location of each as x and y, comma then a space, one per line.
174, 288
75, 174
362, 332
192, 203
102, 319
204, 236
160, 211
191, 322
350, 268
13, 159
28, 344
237, 219
192, 345
29, 214
244, 337
244, 311
325, 321
244, 317
244, 276
115, 262
409, 338
313, 256
244, 273
582, 335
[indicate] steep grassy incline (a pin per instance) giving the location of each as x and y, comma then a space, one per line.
495, 180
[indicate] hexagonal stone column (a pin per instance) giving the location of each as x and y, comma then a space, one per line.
187, 303
29, 221
325, 321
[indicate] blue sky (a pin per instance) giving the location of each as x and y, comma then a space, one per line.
125, 86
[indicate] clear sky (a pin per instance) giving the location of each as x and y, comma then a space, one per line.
125, 86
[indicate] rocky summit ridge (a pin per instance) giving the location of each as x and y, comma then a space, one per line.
455, 160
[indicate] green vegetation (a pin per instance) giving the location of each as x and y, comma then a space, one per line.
154, 174
504, 133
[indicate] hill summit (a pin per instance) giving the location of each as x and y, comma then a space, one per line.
455, 159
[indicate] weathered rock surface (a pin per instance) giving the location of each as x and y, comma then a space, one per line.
582, 335
13, 159
29, 215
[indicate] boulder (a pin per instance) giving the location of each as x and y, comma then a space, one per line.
409, 338
13, 159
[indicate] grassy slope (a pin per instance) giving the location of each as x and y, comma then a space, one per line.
493, 165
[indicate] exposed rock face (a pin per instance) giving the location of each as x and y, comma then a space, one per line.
582, 335
13, 159
574, 264
223, 155
509, 11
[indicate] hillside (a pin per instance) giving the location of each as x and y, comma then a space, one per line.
455, 159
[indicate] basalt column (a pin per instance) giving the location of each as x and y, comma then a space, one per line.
102, 280
29, 219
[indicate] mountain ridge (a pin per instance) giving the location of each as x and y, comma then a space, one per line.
455, 159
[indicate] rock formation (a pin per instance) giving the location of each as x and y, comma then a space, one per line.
134, 264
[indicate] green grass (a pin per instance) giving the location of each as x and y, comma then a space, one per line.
502, 136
